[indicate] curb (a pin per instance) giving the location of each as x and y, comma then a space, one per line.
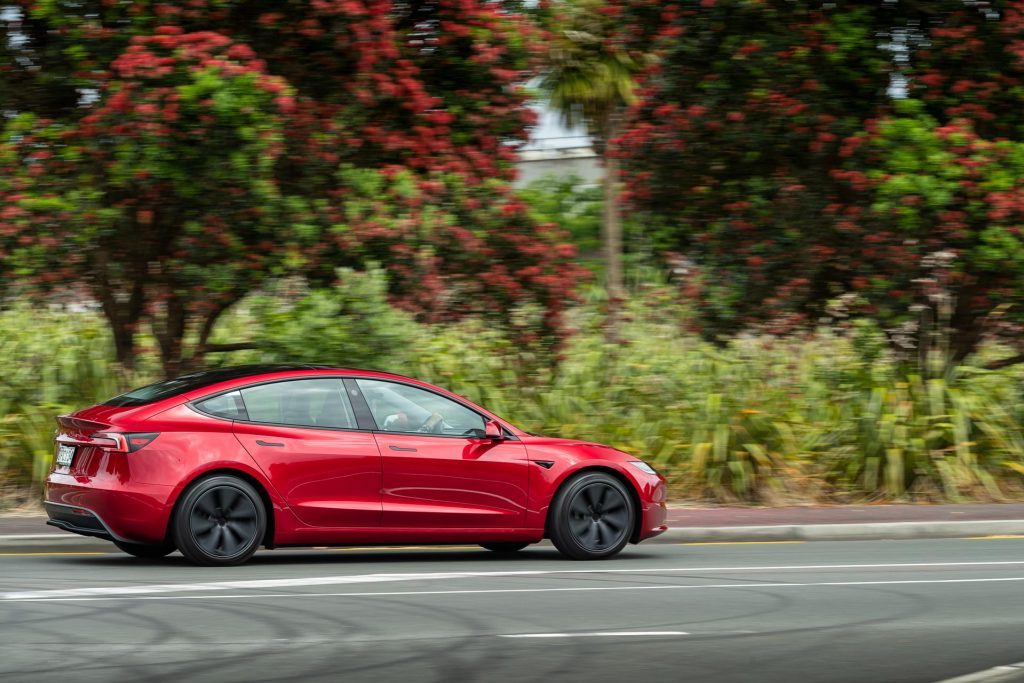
875, 531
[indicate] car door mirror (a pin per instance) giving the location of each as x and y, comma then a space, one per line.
493, 430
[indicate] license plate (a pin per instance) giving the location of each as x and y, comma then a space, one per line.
65, 454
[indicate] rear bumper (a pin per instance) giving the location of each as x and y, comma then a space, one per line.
77, 520
135, 513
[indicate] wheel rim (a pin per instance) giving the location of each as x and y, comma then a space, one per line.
599, 516
224, 521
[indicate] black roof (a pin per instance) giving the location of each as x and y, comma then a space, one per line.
197, 380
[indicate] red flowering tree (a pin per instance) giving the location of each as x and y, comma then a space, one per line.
759, 149
444, 257
430, 87
731, 147
162, 200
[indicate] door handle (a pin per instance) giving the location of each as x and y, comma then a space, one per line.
260, 442
400, 448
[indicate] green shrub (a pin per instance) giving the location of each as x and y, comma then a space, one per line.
824, 417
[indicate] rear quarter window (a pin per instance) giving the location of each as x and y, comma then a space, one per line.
228, 406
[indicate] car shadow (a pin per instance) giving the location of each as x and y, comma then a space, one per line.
362, 555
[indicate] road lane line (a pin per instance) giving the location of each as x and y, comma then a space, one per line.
496, 591
594, 634
299, 582
52, 554
993, 537
997, 674
742, 543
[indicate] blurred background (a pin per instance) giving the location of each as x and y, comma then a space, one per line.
771, 246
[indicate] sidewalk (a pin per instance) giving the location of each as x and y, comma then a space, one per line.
842, 523
695, 525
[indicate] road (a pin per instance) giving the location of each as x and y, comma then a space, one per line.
827, 611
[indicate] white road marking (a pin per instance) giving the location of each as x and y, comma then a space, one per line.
496, 591
298, 582
997, 674
595, 634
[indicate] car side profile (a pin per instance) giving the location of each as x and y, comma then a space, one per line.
219, 463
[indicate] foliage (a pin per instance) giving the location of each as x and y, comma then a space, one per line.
824, 417
455, 249
162, 200
347, 325
744, 149
569, 203
169, 157
57, 361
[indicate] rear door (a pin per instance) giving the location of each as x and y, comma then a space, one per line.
438, 470
304, 435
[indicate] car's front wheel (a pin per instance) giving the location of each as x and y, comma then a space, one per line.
219, 521
145, 551
592, 517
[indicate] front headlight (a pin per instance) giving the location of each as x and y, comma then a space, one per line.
643, 467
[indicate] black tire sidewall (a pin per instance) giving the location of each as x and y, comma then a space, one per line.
560, 533
182, 530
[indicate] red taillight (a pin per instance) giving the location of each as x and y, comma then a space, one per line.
123, 443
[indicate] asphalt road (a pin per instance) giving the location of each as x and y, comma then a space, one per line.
845, 611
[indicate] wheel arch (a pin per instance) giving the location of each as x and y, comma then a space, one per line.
261, 489
634, 495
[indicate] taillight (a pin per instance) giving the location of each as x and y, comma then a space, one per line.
124, 443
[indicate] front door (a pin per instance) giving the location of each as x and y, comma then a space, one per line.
439, 472
304, 436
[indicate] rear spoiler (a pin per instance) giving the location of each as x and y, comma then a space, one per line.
81, 425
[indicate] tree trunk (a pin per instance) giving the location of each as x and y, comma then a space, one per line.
611, 233
169, 336
124, 343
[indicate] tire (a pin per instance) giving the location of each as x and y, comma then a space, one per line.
219, 521
592, 517
146, 551
504, 547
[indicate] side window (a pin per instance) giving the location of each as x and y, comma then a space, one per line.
300, 402
402, 408
228, 406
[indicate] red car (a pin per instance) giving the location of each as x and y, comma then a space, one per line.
218, 463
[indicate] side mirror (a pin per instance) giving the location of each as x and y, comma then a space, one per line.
493, 430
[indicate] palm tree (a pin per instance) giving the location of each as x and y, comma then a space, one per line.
590, 79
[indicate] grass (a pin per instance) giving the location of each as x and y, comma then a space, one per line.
759, 420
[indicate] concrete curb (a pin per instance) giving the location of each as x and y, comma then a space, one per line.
875, 531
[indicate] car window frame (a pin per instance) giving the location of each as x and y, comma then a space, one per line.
508, 435
193, 404
359, 406
196, 405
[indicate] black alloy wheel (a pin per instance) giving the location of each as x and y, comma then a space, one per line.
592, 517
220, 521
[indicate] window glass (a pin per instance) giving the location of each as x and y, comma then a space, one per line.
194, 380
229, 406
402, 408
301, 402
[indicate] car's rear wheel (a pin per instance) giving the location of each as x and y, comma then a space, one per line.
219, 521
505, 546
146, 551
592, 517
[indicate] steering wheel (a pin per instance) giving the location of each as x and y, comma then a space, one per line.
433, 424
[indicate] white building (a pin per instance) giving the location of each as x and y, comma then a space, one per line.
554, 149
